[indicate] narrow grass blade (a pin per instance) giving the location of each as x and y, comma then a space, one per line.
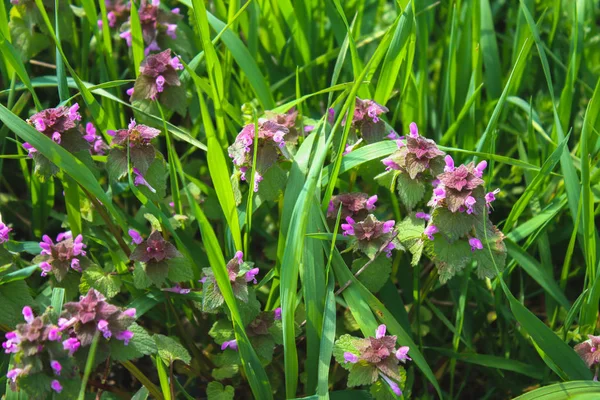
584, 390
61, 75
489, 48
12, 57
137, 40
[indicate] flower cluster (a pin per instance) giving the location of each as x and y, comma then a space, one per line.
93, 313
4, 230
158, 77
117, 12
39, 348
155, 22
355, 205
240, 273
372, 235
372, 358
366, 123
415, 155
67, 253
366, 111
273, 135
98, 146
54, 123
153, 250
589, 351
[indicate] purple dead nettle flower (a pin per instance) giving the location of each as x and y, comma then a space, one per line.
366, 111
136, 238
231, 344
90, 314
54, 122
372, 235
158, 73
4, 230
422, 215
177, 289
459, 185
139, 180
475, 244
156, 22
380, 354
415, 154
67, 253
277, 313
273, 135
240, 273
97, 143
56, 386
589, 351
430, 231
117, 12
155, 249
490, 197
353, 205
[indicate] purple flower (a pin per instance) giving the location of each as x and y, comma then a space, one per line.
177, 289
475, 244
160, 83
459, 185
130, 312
380, 331
414, 130
388, 249
4, 230
393, 135
438, 195
13, 374
71, 344
449, 164
56, 386
491, 196
112, 19
422, 215
56, 367
172, 31
331, 116
469, 203
430, 231
251, 275
30, 149
257, 179
154, 249
125, 336
158, 72
46, 267
127, 36
366, 111
478, 171
402, 354
56, 137
54, 334
393, 385
136, 238
589, 351
103, 327
232, 344
28, 314
371, 202
140, 180
388, 226
277, 313
138, 135
12, 343
129, 93
348, 227
350, 357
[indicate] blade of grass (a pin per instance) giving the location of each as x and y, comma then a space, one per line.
14, 60
564, 390
61, 75
89, 365
137, 39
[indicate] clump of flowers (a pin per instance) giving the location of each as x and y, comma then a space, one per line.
156, 24
93, 313
456, 229
372, 236
4, 231
271, 142
366, 122
370, 359
355, 205
39, 354
589, 351
240, 273
59, 257
97, 144
159, 80
117, 11
161, 259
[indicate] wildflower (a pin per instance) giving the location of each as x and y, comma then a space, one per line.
155, 22
478, 171
449, 164
589, 351
140, 180
28, 314
393, 135
14, 373
469, 203
232, 344
56, 367
350, 358
138, 135
56, 386
277, 313
4, 230
348, 227
251, 275
98, 145
366, 111
117, 12
402, 354
90, 314
59, 257
430, 231
136, 238
353, 204
422, 215
12, 343
438, 195
490, 197
475, 244
157, 74
177, 289
459, 185
414, 130
124, 336
154, 249
371, 235
331, 116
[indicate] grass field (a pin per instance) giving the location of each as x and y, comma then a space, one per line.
165, 207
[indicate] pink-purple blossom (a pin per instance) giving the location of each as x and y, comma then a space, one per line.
350, 357
56, 386
4, 230
277, 313
177, 289
231, 344
430, 231
136, 238
139, 180
58, 258
56, 367
71, 345
422, 215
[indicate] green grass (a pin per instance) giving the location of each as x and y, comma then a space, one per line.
513, 83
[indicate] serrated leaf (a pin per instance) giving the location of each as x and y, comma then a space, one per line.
157, 272
273, 184
140, 345
116, 164
493, 252
140, 279
216, 391
250, 309
388, 178
225, 372
221, 331
362, 373
264, 346
170, 350
376, 274
450, 257
180, 269
109, 285
157, 178
453, 225
345, 343
13, 297
411, 191
142, 157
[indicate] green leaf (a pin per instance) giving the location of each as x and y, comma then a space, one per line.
411, 191
376, 274
107, 284
216, 391
170, 350
584, 390
180, 269
140, 345
452, 225
449, 258
13, 297
345, 343
221, 331
362, 373
225, 372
